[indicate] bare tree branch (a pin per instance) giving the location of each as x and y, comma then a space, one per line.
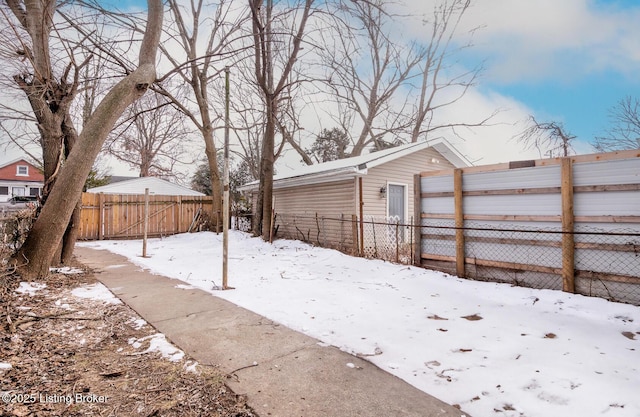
549, 138
624, 132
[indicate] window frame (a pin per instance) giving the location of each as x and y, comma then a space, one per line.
26, 169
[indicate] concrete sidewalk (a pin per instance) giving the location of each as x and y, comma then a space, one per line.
294, 376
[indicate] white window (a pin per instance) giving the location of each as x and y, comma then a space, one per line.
22, 170
17, 191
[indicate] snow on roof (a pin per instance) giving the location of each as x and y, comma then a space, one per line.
155, 185
21, 159
14, 161
359, 164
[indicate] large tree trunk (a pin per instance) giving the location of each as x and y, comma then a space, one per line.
50, 100
36, 255
265, 60
216, 185
266, 174
71, 234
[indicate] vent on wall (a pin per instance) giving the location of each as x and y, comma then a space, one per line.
522, 164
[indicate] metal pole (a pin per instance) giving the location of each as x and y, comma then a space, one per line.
146, 222
225, 196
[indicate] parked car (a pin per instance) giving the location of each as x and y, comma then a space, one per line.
19, 202
23, 199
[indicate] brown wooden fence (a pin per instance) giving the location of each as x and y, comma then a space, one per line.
114, 216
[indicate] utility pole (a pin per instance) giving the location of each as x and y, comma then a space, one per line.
225, 194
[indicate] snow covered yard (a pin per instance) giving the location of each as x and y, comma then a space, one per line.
491, 348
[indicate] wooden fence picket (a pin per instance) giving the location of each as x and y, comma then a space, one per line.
113, 216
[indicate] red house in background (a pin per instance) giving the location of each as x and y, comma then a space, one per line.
18, 178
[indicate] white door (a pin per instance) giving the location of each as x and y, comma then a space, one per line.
396, 202
396, 209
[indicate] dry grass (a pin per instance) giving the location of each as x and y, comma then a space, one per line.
61, 346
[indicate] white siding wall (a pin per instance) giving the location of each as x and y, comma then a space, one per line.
400, 171
314, 212
325, 199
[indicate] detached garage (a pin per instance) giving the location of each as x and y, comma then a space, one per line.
323, 199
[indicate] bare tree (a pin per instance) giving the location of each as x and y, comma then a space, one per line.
251, 117
195, 66
277, 41
55, 66
152, 138
36, 19
50, 90
289, 125
441, 84
50, 94
18, 131
367, 69
624, 132
388, 87
549, 138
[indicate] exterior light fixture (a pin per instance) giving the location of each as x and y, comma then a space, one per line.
383, 192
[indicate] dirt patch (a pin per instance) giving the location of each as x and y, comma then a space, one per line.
75, 354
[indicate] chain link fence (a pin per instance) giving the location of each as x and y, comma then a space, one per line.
606, 260
385, 238
608, 263
388, 238
332, 231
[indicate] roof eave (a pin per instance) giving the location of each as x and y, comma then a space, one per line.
452, 154
317, 178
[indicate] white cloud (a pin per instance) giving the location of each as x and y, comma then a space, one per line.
525, 40
495, 142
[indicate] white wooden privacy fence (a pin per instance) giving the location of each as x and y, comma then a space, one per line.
564, 223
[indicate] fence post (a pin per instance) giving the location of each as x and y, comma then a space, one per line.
417, 220
459, 222
178, 215
100, 216
375, 241
354, 233
568, 245
411, 247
